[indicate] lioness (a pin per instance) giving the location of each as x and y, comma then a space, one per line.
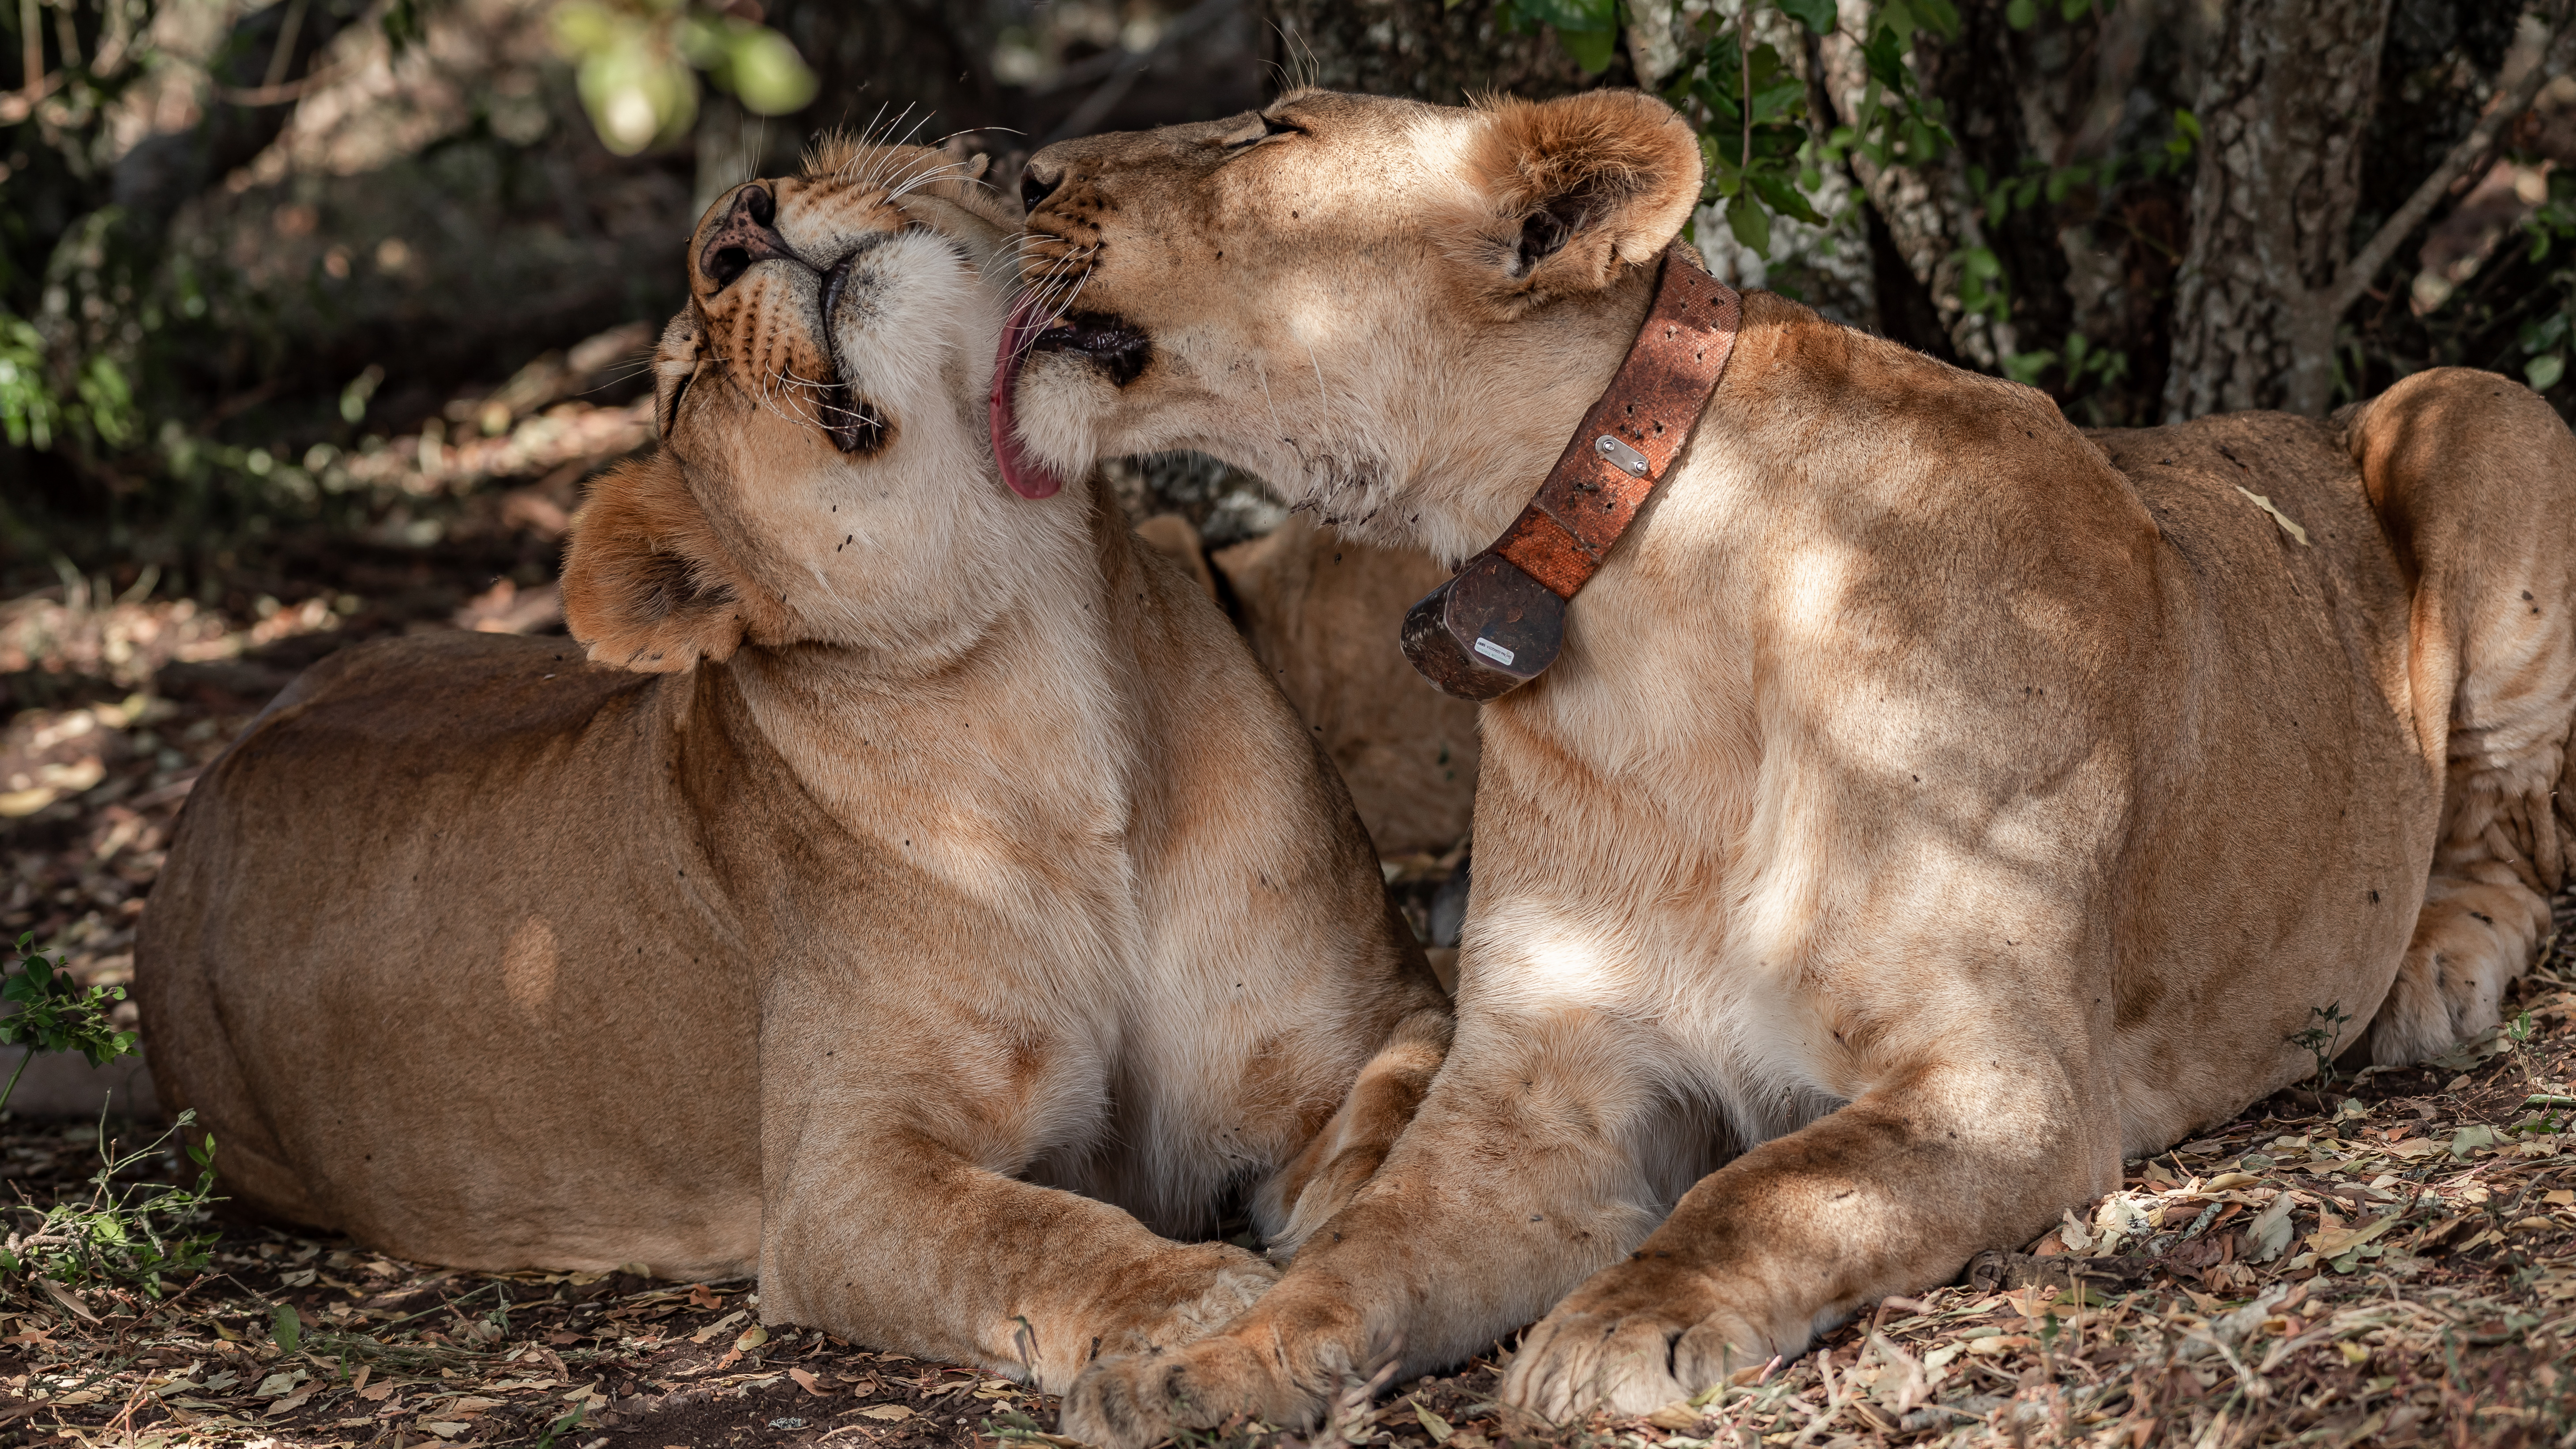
1930, 806
920, 899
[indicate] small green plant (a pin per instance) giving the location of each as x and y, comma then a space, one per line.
131, 1231
2322, 1037
559, 1428
55, 1015
134, 1232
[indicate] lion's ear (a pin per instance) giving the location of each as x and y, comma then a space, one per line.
1571, 190
647, 586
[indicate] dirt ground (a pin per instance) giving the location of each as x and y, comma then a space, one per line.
2384, 1261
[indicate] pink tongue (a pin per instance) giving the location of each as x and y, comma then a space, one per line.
1027, 476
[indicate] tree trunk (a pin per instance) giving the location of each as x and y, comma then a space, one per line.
2284, 109
1425, 49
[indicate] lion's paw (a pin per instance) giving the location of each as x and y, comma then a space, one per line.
1230, 1281
1187, 1293
1141, 1399
1628, 1348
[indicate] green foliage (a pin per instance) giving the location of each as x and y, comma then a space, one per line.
2085, 365
637, 65
1749, 105
560, 1427
1985, 289
2543, 337
1897, 125
30, 414
131, 1232
55, 1015
2322, 1037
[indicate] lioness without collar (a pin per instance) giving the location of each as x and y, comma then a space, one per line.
915, 858
1930, 806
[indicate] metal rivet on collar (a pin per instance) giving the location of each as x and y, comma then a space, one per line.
1622, 457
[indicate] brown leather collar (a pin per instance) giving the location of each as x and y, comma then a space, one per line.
1500, 622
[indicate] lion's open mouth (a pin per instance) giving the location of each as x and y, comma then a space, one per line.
1121, 350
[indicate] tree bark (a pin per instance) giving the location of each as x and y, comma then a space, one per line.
2284, 109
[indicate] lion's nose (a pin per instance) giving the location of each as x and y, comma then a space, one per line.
744, 237
1037, 183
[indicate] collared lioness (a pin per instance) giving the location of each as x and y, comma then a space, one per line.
922, 899
1930, 805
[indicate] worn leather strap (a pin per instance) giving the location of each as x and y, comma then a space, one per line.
1589, 499
1500, 623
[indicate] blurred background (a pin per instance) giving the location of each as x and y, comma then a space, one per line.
315, 314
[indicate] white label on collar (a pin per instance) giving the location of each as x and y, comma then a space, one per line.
1493, 651
1622, 457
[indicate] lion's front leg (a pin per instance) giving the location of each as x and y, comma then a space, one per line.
891, 1213
893, 1240
1893, 1192
1520, 1173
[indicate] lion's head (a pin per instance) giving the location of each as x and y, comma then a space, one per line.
1368, 301
824, 471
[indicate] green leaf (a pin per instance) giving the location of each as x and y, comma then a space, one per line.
1816, 15
2021, 14
1896, 20
1591, 49
2186, 124
2543, 372
1778, 99
1750, 223
1884, 55
288, 1329
1783, 198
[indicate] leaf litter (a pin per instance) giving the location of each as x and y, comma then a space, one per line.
2388, 1261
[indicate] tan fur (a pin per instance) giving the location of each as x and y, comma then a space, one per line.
1931, 806
918, 898
1321, 614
